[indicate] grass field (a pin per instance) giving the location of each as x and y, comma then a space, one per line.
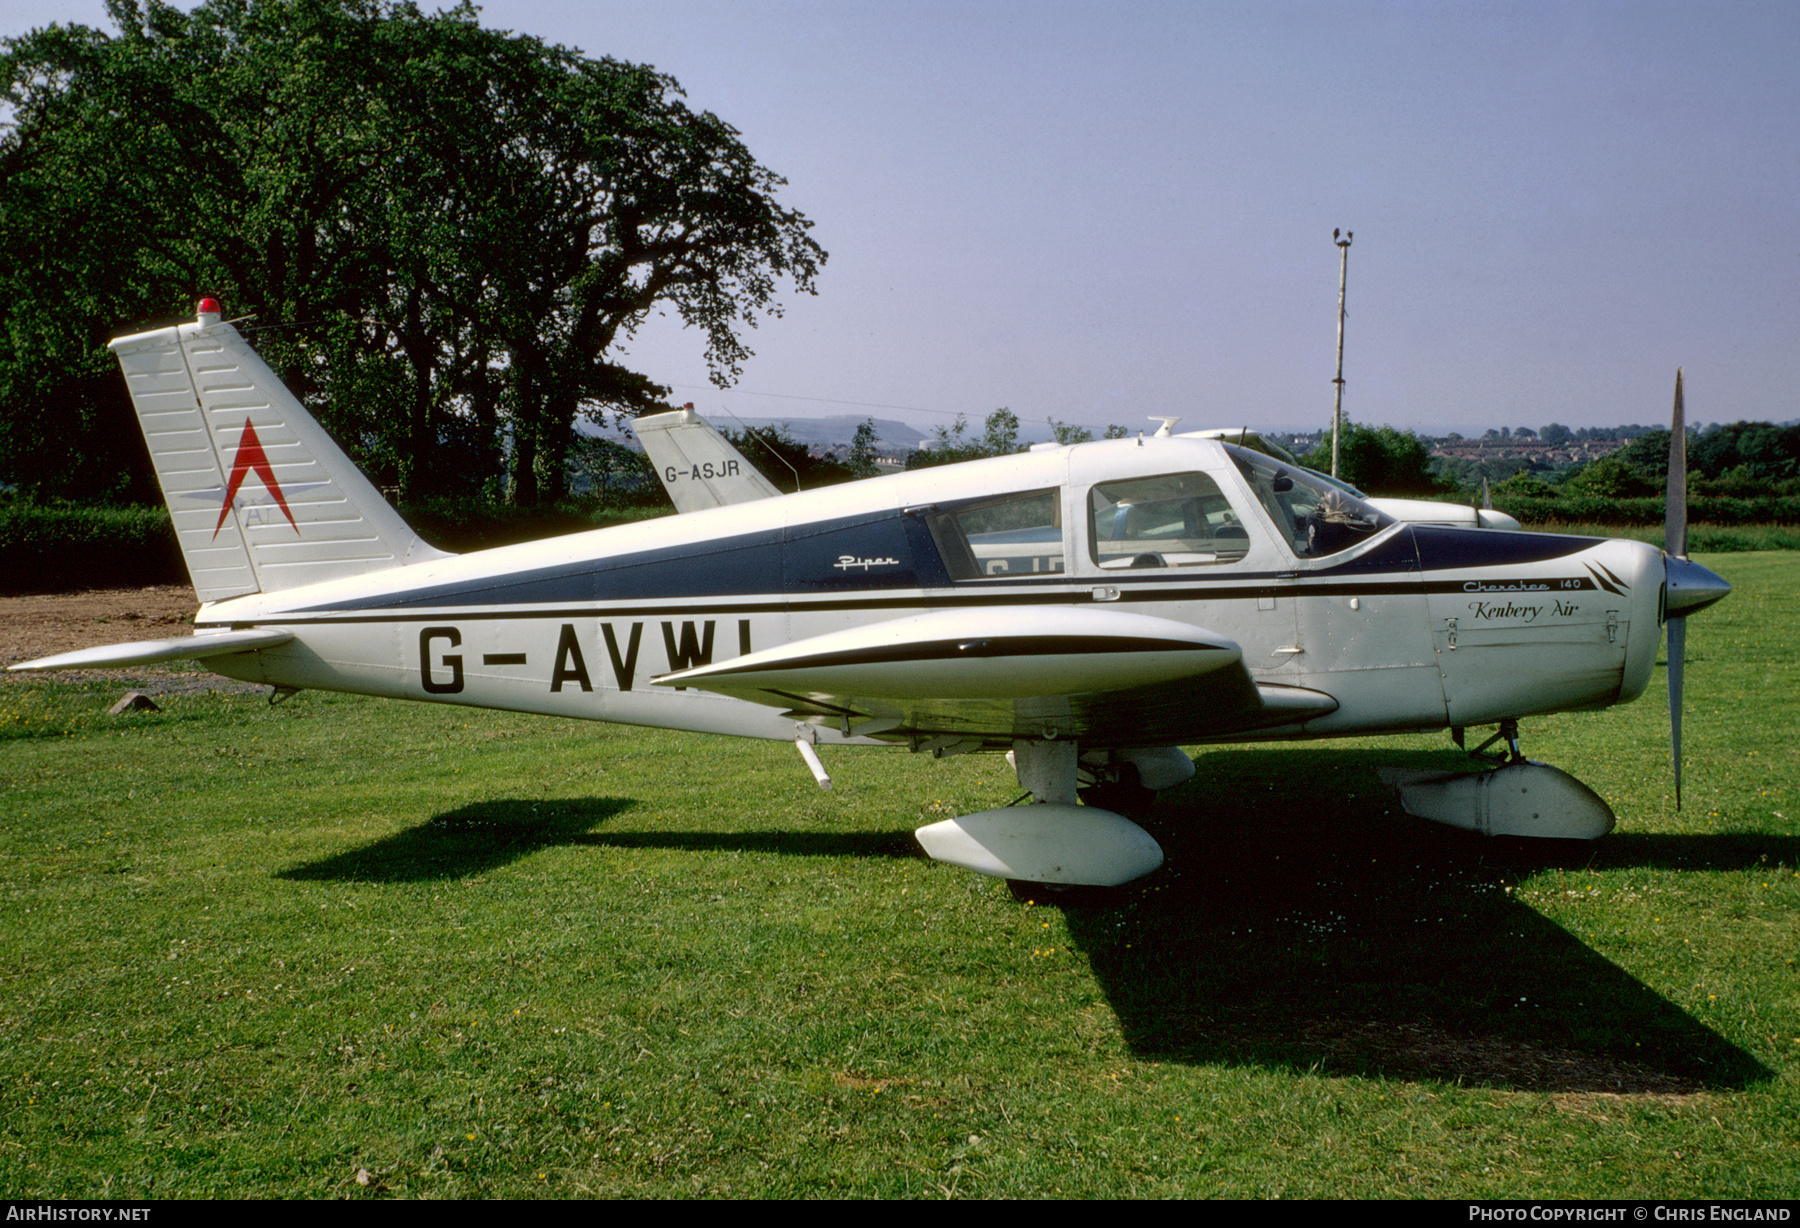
342, 947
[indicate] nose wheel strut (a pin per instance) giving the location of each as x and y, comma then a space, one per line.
1508, 731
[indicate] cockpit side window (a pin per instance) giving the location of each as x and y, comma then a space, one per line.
1013, 537
1317, 518
1172, 520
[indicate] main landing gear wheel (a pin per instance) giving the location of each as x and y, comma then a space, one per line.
1070, 895
1126, 795
1051, 839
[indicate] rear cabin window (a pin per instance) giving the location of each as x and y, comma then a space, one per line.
1014, 537
1175, 520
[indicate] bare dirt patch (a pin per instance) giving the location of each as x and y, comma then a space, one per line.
42, 625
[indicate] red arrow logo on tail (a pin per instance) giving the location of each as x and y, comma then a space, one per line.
250, 455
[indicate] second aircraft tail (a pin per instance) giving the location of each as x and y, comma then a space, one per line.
697, 465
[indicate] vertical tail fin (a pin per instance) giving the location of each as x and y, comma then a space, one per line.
261, 497
697, 465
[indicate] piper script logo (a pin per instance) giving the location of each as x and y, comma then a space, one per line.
251, 457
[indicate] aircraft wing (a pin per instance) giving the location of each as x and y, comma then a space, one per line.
1432, 511
1245, 437
996, 674
148, 652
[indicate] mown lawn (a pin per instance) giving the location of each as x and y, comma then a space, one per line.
342, 947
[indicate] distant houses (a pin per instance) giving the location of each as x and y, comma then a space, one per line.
1534, 451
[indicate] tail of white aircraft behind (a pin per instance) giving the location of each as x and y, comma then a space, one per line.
697, 465
261, 498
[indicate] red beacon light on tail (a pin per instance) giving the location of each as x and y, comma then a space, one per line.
209, 311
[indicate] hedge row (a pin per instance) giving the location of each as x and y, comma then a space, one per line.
1589, 509
462, 527
60, 547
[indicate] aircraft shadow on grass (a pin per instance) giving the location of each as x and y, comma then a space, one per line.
1301, 920
486, 835
1316, 926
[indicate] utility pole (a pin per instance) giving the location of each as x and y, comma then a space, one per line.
1337, 413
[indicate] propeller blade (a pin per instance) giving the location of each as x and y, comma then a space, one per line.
1677, 652
1675, 503
1675, 546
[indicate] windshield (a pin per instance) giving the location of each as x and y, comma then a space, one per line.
1319, 517
1337, 482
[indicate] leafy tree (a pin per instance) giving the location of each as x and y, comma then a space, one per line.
1069, 433
949, 445
1524, 483
608, 473
454, 229
1647, 456
785, 461
1762, 450
1379, 461
1614, 477
999, 437
1000, 433
1739, 481
862, 450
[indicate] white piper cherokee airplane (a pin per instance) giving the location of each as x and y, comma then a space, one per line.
1090, 609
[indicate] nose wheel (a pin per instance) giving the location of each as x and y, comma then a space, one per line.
1510, 796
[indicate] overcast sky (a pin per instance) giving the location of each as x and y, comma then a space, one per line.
1100, 212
